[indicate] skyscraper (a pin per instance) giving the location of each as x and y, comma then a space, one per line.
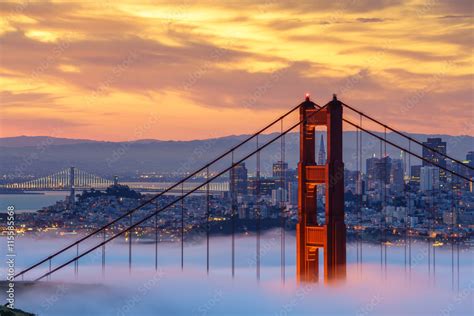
434, 158
397, 182
322, 152
429, 178
238, 180
279, 170
383, 167
293, 193
470, 158
415, 173
378, 172
321, 161
280, 174
470, 162
370, 168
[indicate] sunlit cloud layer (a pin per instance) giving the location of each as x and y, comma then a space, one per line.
207, 69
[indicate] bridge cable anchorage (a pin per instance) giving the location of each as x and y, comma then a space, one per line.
406, 136
165, 191
319, 108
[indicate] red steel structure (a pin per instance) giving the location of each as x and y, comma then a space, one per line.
310, 236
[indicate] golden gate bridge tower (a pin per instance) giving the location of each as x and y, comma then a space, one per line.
310, 236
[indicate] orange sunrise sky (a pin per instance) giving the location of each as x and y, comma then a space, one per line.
199, 69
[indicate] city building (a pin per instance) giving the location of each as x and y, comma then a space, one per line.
238, 181
470, 162
292, 175
321, 152
321, 161
278, 196
370, 168
397, 182
429, 178
279, 173
266, 186
433, 157
293, 193
378, 172
449, 218
415, 172
350, 181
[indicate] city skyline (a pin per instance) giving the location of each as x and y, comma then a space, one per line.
223, 67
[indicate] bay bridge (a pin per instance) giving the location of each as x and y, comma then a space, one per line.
312, 235
74, 178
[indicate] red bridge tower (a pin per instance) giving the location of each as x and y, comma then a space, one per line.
310, 236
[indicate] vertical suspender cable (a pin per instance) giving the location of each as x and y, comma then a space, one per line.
103, 253
409, 209
258, 211
283, 197
361, 186
207, 220
357, 187
385, 198
156, 237
383, 215
130, 246
182, 226
233, 197
406, 210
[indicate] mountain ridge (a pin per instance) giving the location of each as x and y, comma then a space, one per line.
136, 157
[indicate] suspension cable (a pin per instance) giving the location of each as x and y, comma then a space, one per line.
163, 192
410, 152
406, 136
318, 109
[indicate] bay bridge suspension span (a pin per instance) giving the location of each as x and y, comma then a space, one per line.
76, 179
311, 236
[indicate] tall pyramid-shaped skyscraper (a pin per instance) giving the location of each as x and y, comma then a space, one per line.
322, 152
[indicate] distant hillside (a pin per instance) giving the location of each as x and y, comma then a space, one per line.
4, 311
25, 141
20, 155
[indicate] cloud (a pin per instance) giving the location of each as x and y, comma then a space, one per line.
393, 50
455, 17
38, 124
10, 99
82, 57
370, 20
